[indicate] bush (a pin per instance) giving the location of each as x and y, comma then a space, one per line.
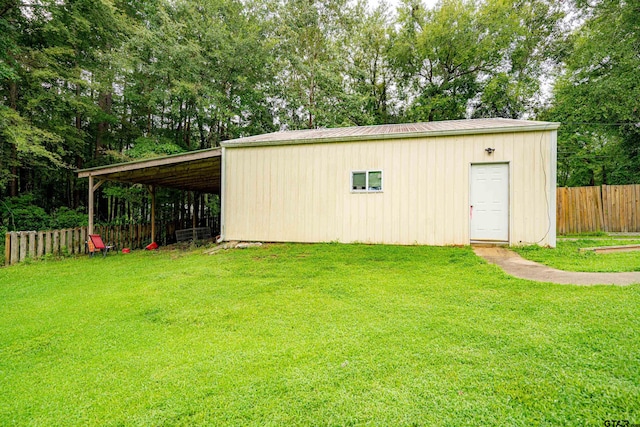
144, 147
68, 218
20, 214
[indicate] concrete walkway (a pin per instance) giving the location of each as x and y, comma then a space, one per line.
515, 265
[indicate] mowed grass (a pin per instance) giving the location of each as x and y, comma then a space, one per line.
311, 335
567, 255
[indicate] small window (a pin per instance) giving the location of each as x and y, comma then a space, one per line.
359, 181
375, 181
366, 181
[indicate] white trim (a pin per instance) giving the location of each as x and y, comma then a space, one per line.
366, 181
223, 198
553, 172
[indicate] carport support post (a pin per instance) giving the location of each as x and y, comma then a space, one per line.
90, 228
92, 189
152, 191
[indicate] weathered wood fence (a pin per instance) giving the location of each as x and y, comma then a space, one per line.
23, 245
610, 208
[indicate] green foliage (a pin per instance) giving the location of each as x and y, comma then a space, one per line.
87, 83
369, 76
504, 97
152, 147
213, 203
9, 13
591, 154
21, 214
483, 57
21, 143
307, 334
534, 30
311, 49
597, 96
205, 66
64, 217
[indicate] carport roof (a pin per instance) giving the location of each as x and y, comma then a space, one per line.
193, 171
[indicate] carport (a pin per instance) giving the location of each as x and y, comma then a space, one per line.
193, 171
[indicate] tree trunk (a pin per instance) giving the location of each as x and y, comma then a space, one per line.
187, 131
75, 192
177, 136
311, 101
13, 185
104, 102
203, 138
13, 104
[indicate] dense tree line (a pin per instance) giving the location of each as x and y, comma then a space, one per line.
597, 96
90, 82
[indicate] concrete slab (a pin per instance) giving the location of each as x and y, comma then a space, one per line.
515, 265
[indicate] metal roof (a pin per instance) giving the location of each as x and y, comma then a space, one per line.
194, 171
201, 170
395, 131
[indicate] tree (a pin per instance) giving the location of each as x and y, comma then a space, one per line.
311, 58
472, 58
536, 38
440, 55
10, 18
597, 96
23, 144
196, 74
369, 83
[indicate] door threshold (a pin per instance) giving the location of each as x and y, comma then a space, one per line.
488, 243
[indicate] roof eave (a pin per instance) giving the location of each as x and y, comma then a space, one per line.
476, 131
157, 161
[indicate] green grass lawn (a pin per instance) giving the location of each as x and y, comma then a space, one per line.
567, 255
311, 335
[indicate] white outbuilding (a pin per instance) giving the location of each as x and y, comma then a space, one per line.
439, 183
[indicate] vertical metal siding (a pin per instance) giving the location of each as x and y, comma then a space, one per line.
302, 193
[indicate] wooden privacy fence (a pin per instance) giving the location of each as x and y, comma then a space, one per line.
23, 245
611, 208
579, 210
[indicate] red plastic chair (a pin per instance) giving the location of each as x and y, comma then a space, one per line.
96, 244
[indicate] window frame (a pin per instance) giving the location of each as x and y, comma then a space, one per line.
366, 173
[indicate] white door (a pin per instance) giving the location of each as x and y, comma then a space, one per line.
489, 206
